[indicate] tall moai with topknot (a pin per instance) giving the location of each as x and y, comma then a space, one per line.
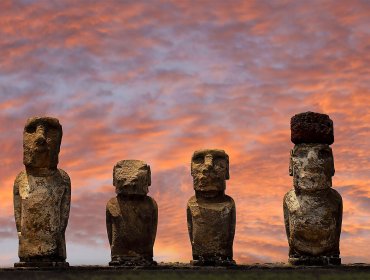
42, 197
131, 216
211, 213
312, 209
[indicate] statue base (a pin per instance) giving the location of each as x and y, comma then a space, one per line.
312, 261
213, 262
132, 262
42, 264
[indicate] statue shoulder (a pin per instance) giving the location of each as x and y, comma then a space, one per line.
152, 201
289, 197
337, 197
112, 204
230, 200
20, 177
192, 202
20, 182
65, 176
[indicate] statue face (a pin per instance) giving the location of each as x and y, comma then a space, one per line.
131, 177
210, 169
312, 166
41, 142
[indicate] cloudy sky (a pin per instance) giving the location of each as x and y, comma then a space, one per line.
156, 80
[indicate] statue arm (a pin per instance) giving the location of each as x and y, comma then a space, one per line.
17, 205
286, 219
339, 226
155, 221
108, 220
233, 222
190, 224
66, 202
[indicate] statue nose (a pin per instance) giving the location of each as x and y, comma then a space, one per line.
208, 161
133, 180
312, 155
40, 138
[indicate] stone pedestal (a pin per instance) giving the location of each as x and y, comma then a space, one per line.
42, 264
315, 261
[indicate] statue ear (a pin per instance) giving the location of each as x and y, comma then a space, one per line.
114, 176
149, 178
291, 164
227, 177
333, 168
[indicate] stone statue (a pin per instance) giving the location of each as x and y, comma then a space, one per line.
312, 209
210, 213
131, 216
42, 197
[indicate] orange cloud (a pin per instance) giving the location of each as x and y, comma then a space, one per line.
155, 82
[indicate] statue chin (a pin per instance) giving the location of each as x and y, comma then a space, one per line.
209, 194
312, 184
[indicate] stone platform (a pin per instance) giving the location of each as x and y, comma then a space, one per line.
186, 271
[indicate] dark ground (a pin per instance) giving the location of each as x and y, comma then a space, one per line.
185, 272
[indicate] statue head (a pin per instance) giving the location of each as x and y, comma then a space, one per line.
312, 167
42, 137
210, 169
131, 177
311, 160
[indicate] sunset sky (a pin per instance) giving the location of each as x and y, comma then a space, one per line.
156, 80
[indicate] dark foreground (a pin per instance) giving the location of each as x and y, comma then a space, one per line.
184, 272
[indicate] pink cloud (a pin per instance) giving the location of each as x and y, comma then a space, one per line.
156, 82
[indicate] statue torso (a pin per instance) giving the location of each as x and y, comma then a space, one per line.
212, 226
41, 199
133, 226
314, 222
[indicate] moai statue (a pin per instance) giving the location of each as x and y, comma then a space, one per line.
42, 196
312, 209
210, 213
131, 216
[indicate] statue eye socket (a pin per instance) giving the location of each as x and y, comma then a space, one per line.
324, 154
53, 130
300, 154
219, 160
31, 129
198, 159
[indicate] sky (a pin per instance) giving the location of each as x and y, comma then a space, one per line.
156, 80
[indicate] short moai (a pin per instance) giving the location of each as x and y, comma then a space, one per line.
42, 197
312, 209
211, 214
131, 216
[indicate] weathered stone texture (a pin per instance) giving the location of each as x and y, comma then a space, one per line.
211, 214
132, 216
312, 210
310, 127
42, 195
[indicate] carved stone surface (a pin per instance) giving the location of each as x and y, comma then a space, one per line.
132, 216
312, 209
210, 213
42, 195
